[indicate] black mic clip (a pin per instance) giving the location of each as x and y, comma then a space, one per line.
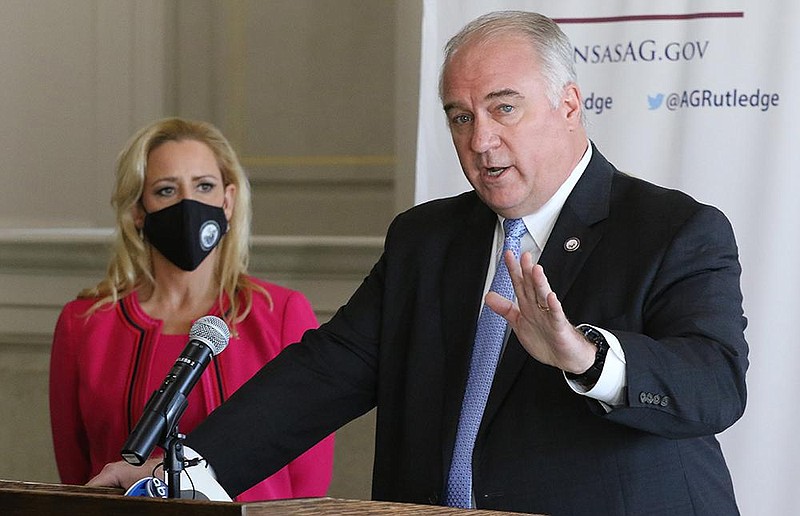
174, 462
192, 462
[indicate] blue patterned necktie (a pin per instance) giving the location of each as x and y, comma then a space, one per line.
489, 338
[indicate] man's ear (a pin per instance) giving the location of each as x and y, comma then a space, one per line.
571, 102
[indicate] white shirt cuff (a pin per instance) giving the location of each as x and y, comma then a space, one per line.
610, 387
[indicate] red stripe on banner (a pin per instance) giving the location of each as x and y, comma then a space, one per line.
651, 17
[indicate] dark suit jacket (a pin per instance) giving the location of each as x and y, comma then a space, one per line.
654, 267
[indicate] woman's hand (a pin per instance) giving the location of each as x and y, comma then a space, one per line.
121, 474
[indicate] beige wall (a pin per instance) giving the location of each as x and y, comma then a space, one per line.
76, 78
302, 90
305, 90
318, 96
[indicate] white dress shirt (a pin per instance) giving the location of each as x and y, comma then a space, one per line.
610, 387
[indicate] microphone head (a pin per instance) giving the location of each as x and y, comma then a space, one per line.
212, 331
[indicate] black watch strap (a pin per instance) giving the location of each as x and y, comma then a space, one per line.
589, 377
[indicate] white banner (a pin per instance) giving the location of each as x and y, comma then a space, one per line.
698, 96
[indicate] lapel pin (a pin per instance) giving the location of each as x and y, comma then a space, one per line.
572, 244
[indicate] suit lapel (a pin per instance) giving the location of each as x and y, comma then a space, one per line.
463, 280
562, 260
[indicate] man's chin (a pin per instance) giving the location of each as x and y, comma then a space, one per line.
506, 208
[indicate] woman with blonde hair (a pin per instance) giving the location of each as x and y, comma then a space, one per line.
180, 252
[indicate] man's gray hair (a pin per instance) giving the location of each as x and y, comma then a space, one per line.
550, 43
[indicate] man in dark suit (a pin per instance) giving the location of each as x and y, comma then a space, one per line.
616, 415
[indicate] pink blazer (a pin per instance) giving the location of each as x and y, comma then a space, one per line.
105, 367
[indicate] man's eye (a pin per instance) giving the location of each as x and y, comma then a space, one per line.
462, 119
505, 108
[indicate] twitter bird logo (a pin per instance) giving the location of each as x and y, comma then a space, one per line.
655, 102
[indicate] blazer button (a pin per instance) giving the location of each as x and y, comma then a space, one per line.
433, 499
643, 397
656, 399
664, 401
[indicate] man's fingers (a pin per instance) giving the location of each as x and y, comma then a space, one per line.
541, 287
520, 272
502, 306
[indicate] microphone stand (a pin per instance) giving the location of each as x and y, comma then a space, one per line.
173, 462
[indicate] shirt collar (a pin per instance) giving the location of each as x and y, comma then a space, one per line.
540, 223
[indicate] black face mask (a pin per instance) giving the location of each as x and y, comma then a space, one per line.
186, 232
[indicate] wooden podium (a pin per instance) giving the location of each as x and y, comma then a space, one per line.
28, 498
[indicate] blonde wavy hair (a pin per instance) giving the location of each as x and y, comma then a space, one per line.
130, 267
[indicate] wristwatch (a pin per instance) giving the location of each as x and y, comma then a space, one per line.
588, 378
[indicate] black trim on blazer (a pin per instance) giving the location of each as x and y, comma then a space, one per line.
218, 377
139, 347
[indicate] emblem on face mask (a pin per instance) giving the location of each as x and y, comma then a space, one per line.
209, 235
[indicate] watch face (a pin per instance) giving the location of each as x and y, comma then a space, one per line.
592, 375
590, 333
594, 336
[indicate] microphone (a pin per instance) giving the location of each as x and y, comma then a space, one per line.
209, 336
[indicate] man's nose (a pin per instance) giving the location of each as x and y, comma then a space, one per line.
484, 136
